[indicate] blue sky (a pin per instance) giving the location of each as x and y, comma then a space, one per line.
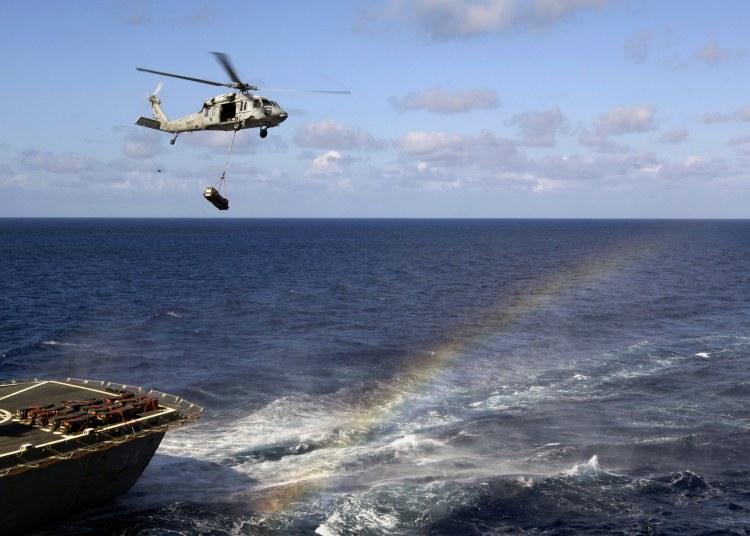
459, 108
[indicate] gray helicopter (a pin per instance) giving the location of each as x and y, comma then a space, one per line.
230, 111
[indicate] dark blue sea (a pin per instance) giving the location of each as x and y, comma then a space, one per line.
399, 377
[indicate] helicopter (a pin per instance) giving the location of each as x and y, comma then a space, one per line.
229, 111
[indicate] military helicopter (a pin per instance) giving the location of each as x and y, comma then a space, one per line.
230, 111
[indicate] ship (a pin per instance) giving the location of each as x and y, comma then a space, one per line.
68, 445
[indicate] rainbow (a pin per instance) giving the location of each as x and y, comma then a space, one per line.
423, 370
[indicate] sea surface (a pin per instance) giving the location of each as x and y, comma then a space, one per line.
399, 377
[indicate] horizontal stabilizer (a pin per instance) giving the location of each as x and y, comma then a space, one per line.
146, 122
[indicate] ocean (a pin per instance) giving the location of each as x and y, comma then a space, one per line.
399, 377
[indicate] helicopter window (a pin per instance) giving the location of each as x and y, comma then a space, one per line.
257, 103
266, 102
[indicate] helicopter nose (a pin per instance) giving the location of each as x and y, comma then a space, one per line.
282, 116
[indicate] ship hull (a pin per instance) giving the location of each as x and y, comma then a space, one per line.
40, 496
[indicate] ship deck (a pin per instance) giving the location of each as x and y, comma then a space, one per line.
22, 443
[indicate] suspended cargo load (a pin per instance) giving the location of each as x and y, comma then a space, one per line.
213, 195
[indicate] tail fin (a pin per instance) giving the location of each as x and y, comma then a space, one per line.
160, 118
158, 113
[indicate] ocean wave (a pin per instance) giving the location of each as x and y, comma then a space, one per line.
66, 344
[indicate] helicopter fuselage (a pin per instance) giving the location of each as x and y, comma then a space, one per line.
230, 111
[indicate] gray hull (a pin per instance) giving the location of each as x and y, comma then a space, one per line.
39, 496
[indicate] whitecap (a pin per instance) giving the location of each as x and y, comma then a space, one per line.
356, 515
413, 442
589, 468
326, 530
526, 482
61, 343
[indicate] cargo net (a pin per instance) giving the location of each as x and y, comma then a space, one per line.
217, 194
75, 416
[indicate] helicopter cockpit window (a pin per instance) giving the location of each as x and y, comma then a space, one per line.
257, 104
266, 102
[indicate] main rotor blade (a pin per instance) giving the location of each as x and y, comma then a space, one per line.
224, 60
186, 78
288, 90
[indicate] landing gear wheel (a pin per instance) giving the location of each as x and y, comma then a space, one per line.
171, 142
263, 132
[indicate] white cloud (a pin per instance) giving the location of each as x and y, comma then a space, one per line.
141, 13
448, 162
437, 157
546, 185
203, 14
434, 146
572, 169
328, 134
697, 167
638, 47
455, 150
328, 169
19, 180
142, 144
717, 117
131, 12
58, 163
675, 136
439, 101
540, 128
555, 10
452, 19
740, 140
247, 141
329, 162
476, 167
442, 186
600, 142
741, 114
621, 120
692, 161
712, 54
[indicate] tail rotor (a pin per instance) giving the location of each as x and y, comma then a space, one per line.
153, 98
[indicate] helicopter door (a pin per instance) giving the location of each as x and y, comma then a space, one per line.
228, 111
